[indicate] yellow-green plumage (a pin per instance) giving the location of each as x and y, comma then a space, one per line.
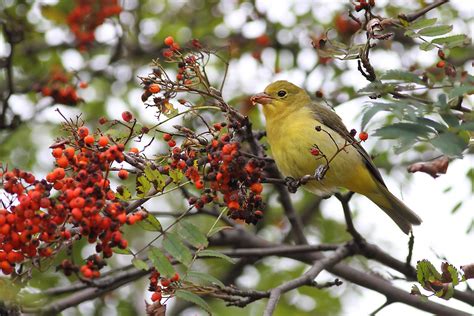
291, 118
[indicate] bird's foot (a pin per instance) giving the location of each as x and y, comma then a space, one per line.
292, 184
321, 172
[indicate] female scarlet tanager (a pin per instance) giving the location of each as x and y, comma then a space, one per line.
292, 118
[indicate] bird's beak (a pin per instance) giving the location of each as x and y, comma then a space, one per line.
261, 98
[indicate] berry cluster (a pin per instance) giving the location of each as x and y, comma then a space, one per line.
82, 205
228, 175
87, 15
162, 286
59, 87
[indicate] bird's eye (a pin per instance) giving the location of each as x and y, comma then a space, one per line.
281, 93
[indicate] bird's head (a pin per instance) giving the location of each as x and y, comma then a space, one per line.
280, 97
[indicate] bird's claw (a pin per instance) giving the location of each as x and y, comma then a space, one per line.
292, 184
321, 172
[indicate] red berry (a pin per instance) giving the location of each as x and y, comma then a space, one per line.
89, 139
154, 88
165, 282
169, 41
102, 120
175, 277
83, 85
172, 143
314, 151
127, 116
256, 188
123, 174
83, 132
441, 64
103, 141
363, 136
167, 137
156, 296
57, 152
199, 184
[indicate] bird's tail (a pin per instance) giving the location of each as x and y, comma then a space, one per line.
396, 209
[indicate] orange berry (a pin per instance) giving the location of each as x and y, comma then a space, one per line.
256, 188
441, 64
154, 88
233, 205
69, 152
363, 136
62, 162
103, 141
83, 131
83, 85
123, 174
59, 173
134, 150
89, 139
169, 41
57, 152
199, 184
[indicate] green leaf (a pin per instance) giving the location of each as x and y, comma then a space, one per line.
155, 177
426, 46
449, 143
126, 194
425, 271
175, 247
193, 298
369, 113
207, 278
151, 223
467, 126
404, 130
53, 13
191, 234
176, 175
216, 254
435, 30
461, 90
456, 207
217, 229
431, 123
143, 186
422, 23
161, 262
450, 119
125, 251
453, 40
140, 264
401, 75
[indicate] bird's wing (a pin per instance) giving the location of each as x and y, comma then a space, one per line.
328, 117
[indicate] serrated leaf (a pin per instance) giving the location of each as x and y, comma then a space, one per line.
404, 130
154, 176
193, 298
126, 194
435, 30
449, 143
143, 186
207, 278
422, 23
176, 175
369, 113
140, 264
125, 251
426, 272
150, 223
431, 123
191, 234
458, 39
175, 247
401, 75
160, 262
215, 254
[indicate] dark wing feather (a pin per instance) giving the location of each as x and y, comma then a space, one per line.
329, 118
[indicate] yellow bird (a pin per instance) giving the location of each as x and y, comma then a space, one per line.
292, 121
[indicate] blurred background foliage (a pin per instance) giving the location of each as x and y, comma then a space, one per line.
262, 40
